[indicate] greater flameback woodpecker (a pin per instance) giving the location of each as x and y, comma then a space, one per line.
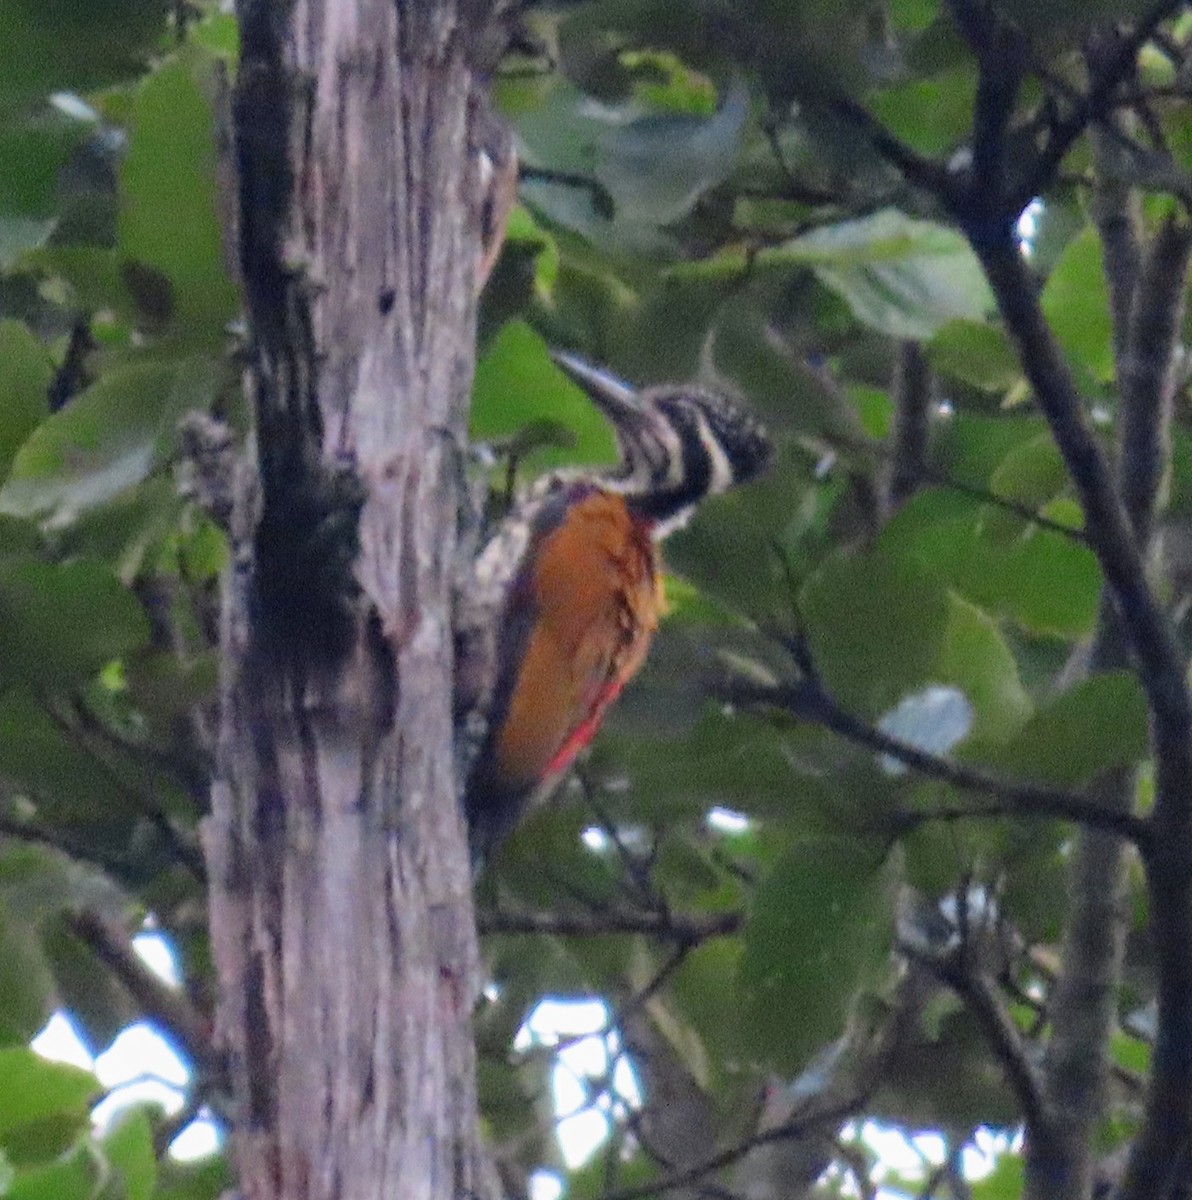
574, 588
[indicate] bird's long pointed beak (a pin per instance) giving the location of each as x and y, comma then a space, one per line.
613, 396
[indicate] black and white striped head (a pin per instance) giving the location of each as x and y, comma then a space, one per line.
678, 443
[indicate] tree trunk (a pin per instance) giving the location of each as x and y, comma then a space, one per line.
341, 917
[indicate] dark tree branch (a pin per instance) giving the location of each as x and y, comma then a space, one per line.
1117, 213
911, 428
1001, 55
1107, 525
1005, 1042
807, 701
687, 929
162, 1004
1147, 373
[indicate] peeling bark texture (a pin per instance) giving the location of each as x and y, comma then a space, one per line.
341, 916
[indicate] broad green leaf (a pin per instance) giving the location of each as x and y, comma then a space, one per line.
33, 1090
107, 439
932, 115
37, 759
733, 548
1005, 1182
517, 385
976, 353
1099, 723
18, 235
24, 379
656, 167
1032, 473
60, 624
704, 992
54, 45
207, 1180
1045, 582
1075, 302
128, 1148
26, 985
976, 659
34, 148
901, 276
75, 1177
819, 928
168, 184
876, 625
789, 394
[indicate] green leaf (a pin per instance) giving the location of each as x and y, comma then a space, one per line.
1006, 1181
1032, 473
820, 927
902, 277
18, 235
33, 151
655, 168
517, 385
975, 353
53, 45
976, 659
168, 184
25, 376
110, 437
207, 1180
932, 115
26, 985
1047, 583
1075, 301
877, 626
128, 1148
60, 624
1099, 723
33, 1090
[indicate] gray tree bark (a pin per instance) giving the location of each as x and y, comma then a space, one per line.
341, 913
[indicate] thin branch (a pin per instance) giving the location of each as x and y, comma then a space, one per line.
684, 928
1000, 1032
920, 171
1113, 72
810, 702
796, 1127
161, 1003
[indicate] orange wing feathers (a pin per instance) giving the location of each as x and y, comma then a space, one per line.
596, 600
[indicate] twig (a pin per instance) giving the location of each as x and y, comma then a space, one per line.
796, 1127
1114, 71
809, 702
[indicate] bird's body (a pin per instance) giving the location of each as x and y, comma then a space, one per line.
574, 587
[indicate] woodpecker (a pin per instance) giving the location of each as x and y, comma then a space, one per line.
569, 588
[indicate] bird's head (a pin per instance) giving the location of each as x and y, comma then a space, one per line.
678, 443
